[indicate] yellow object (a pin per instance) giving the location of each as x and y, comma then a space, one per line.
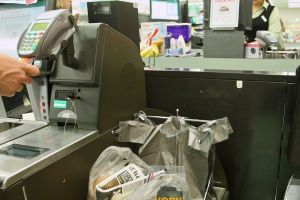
150, 51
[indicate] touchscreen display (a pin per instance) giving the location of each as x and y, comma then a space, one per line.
39, 26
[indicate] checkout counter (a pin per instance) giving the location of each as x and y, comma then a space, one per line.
50, 159
81, 95
257, 95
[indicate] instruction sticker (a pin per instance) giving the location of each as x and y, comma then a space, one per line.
60, 104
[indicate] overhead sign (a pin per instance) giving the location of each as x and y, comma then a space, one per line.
224, 13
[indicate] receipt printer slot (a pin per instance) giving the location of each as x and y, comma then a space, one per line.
63, 94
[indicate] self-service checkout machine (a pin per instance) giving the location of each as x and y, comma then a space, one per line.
91, 78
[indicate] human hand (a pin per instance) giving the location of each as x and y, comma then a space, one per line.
14, 74
296, 38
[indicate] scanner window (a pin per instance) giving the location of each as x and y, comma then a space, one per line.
22, 151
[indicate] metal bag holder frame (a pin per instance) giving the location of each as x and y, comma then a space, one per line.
142, 116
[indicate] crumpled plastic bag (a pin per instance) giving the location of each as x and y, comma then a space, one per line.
160, 186
201, 138
135, 132
111, 160
176, 143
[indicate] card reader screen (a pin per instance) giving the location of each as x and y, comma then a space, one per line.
39, 26
22, 151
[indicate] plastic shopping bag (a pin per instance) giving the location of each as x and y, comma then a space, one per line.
113, 166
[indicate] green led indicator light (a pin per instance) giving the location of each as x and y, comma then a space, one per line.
60, 104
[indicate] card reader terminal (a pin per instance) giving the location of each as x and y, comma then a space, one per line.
44, 36
40, 44
32, 37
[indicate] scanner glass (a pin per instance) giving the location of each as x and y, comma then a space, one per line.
22, 151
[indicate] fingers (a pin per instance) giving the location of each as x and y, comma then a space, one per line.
20, 88
14, 74
24, 80
9, 87
27, 80
7, 91
31, 70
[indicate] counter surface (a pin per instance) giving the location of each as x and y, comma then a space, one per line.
280, 67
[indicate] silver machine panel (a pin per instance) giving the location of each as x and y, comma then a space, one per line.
55, 143
11, 129
91, 78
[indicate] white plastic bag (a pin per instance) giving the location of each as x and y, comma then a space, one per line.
121, 192
165, 186
111, 160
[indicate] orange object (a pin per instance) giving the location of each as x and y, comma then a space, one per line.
27, 60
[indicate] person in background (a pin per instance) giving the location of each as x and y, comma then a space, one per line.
14, 74
284, 34
282, 25
265, 17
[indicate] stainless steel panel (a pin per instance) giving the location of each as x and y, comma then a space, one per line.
18, 131
59, 142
